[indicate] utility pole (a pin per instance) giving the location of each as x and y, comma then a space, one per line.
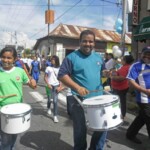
16, 40
48, 29
124, 8
49, 19
11, 37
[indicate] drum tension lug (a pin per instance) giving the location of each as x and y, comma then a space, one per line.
87, 122
6, 119
23, 119
114, 116
104, 112
105, 123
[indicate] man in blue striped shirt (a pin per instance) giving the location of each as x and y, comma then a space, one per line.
139, 77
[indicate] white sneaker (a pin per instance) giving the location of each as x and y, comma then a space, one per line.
56, 119
49, 112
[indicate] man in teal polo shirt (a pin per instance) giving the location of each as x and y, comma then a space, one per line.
81, 71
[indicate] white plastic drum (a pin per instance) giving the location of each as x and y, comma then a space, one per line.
103, 112
15, 118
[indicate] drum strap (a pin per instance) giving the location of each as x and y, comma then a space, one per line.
81, 98
78, 100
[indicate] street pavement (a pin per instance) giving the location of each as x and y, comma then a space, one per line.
44, 134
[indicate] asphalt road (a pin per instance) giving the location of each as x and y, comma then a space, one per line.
44, 134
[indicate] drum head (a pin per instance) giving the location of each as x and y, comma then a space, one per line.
99, 100
14, 109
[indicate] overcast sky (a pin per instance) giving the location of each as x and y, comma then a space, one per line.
24, 20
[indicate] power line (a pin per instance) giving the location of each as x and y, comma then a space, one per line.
16, 15
116, 3
63, 15
58, 17
67, 10
23, 23
8, 16
85, 7
44, 5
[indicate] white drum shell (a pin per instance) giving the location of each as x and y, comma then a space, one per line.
105, 115
14, 123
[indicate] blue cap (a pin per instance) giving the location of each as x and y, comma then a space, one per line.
146, 49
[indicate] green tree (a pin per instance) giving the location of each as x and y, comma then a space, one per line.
27, 52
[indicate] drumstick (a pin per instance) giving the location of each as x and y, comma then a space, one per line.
107, 92
11, 95
100, 90
96, 90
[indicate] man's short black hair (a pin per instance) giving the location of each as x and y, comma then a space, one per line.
86, 32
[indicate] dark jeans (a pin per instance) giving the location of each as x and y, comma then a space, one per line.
70, 101
142, 118
80, 130
7, 140
122, 95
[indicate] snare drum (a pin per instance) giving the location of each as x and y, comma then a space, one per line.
15, 118
103, 112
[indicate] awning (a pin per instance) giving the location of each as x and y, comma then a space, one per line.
143, 30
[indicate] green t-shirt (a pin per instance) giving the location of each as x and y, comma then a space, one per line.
11, 83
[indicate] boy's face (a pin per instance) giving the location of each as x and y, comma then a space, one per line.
7, 60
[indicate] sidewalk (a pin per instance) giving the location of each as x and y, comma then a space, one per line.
116, 139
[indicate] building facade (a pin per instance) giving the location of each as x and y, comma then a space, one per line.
65, 38
140, 26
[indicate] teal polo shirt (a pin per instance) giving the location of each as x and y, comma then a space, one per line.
84, 70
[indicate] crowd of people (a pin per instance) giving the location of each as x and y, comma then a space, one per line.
81, 72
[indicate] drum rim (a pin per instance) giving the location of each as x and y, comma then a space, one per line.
17, 115
90, 98
101, 105
111, 128
101, 96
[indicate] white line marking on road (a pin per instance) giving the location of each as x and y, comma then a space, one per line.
39, 98
43, 102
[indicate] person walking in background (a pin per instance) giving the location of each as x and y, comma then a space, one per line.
35, 69
54, 85
109, 65
11, 82
139, 78
19, 63
105, 57
29, 61
39, 59
118, 64
48, 61
43, 61
104, 79
81, 71
119, 82
25, 61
